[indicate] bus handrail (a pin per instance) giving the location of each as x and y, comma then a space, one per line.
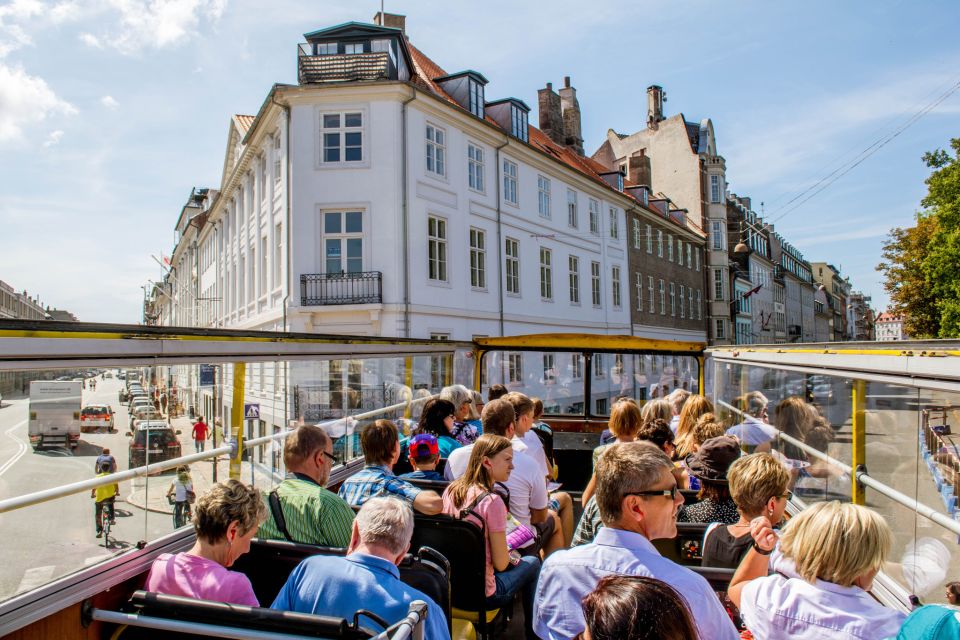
182, 626
864, 478
410, 627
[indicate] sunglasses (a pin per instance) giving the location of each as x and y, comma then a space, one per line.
672, 492
788, 495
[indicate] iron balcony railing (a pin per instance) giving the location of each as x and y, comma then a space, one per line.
349, 67
362, 287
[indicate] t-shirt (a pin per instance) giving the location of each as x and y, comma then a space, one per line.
422, 475
200, 431
191, 576
313, 515
180, 490
107, 491
494, 514
535, 450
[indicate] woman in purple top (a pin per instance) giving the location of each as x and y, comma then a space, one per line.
226, 519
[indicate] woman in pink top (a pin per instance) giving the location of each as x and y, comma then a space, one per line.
226, 518
491, 461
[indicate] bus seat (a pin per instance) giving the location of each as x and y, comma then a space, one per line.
433, 485
687, 547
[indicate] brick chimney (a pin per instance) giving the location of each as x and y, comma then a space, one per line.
551, 119
571, 117
639, 169
392, 20
655, 99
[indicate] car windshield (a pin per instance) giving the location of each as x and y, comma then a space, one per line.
154, 438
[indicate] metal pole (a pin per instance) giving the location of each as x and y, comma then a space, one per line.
858, 439
236, 416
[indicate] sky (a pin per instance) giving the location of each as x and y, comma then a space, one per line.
111, 111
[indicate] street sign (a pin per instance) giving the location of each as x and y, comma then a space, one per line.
206, 375
251, 411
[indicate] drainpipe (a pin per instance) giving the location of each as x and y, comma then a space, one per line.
289, 220
405, 212
500, 273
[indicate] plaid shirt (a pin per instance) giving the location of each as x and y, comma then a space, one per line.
373, 481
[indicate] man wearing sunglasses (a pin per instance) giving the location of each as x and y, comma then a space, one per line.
638, 499
300, 508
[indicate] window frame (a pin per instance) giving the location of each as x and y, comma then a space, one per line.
437, 250
476, 168
478, 259
543, 196
595, 224
638, 283
572, 204
342, 131
615, 286
511, 182
614, 223
511, 269
596, 291
573, 278
343, 237
435, 152
546, 274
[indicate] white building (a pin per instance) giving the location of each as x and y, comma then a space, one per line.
889, 327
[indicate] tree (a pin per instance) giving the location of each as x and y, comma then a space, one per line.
910, 294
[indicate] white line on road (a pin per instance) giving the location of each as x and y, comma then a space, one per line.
22, 447
33, 578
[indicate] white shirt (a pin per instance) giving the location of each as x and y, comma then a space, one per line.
528, 488
785, 606
180, 490
535, 451
675, 424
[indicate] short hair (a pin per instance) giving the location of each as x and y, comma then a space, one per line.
677, 398
624, 468
638, 608
706, 427
625, 420
954, 589
457, 394
378, 441
654, 409
434, 412
303, 442
226, 502
836, 542
656, 431
754, 479
497, 417
496, 391
522, 405
753, 403
385, 522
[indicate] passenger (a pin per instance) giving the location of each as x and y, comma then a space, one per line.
462, 400
709, 465
472, 495
105, 497
932, 622
496, 391
381, 450
424, 456
311, 513
706, 428
828, 556
953, 593
794, 419
367, 578
758, 486
636, 608
225, 519
695, 407
529, 501
437, 418
657, 409
754, 431
200, 431
625, 422
677, 399
476, 408
638, 499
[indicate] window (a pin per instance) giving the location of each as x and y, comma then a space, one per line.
718, 235
478, 259
514, 367
679, 251
718, 288
595, 283
342, 137
719, 329
327, 49
476, 98
615, 279
682, 298
513, 265
546, 274
549, 367
663, 297
601, 406
380, 46
475, 167
598, 371
543, 196
576, 366
572, 208
650, 298
614, 224
343, 241
689, 255
636, 233
276, 157
659, 243
649, 239
277, 254
510, 181
699, 306
436, 249
639, 285
696, 258
669, 248
594, 217
715, 191
353, 47
436, 150
673, 306
518, 122
573, 267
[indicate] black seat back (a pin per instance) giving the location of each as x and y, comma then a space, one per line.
719, 578
433, 485
687, 547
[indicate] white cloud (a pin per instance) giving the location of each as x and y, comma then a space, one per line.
26, 100
53, 138
153, 24
14, 36
109, 102
91, 40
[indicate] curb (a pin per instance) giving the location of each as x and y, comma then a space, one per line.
129, 499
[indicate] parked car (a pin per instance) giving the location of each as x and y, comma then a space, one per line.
152, 441
96, 417
143, 413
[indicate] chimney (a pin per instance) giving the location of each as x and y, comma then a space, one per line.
551, 120
571, 117
639, 170
392, 20
655, 99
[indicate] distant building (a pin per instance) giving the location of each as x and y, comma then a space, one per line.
61, 315
20, 305
837, 290
889, 327
860, 317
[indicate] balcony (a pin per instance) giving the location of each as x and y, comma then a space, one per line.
322, 289
350, 67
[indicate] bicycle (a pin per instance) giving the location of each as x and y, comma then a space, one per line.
181, 514
105, 525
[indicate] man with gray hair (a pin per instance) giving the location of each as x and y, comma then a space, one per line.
367, 578
638, 499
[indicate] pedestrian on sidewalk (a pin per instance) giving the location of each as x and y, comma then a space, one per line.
200, 430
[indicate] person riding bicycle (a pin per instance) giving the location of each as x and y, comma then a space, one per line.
181, 492
105, 458
105, 496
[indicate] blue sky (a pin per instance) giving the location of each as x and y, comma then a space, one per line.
112, 110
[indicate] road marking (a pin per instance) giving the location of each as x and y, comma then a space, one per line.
97, 559
22, 447
33, 578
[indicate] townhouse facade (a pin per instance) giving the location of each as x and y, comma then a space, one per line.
889, 327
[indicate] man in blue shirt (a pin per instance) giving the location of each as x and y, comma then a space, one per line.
367, 578
638, 499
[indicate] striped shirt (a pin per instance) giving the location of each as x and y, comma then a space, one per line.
313, 515
373, 481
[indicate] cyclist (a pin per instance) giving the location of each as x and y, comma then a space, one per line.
105, 458
181, 492
105, 496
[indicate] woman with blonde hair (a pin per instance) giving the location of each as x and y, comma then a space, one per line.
657, 410
226, 519
828, 556
695, 407
625, 422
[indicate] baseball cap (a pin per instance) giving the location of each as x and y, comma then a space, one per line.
424, 445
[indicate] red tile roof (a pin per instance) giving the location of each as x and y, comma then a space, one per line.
243, 123
886, 316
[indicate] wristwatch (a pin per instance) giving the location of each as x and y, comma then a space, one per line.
761, 551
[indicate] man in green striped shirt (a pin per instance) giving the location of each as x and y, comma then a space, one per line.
310, 513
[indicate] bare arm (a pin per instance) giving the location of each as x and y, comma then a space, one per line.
537, 516
590, 490
754, 565
428, 503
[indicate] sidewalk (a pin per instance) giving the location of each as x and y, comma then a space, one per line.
150, 493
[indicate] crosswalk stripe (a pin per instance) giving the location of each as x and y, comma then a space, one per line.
33, 578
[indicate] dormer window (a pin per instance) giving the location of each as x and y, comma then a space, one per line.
476, 98
518, 122
466, 89
353, 47
327, 49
